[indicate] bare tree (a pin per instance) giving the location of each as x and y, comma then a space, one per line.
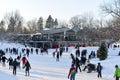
32, 25
76, 21
88, 20
112, 7
25, 30
13, 20
63, 24
18, 29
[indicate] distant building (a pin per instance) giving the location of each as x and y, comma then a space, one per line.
67, 34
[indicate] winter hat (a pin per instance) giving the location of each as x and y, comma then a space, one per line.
116, 66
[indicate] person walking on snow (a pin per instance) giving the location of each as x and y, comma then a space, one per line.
73, 58
10, 60
77, 63
117, 72
87, 62
27, 68
99, 69
23, 61
72, 72
4, 60
15, 64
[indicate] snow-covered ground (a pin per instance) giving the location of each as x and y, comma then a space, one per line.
45, 67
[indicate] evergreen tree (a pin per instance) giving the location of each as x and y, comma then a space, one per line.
2, 24
2, 30
40, 24
102, 52
56, 23
11, 25
49, 22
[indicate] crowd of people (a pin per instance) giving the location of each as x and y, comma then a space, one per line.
14, 63
79, 60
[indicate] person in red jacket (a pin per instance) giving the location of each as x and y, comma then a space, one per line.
24, 60
72, 72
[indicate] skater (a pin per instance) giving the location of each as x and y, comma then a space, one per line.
99, 69
10, 60
27, 52
18, 61
86, 64
53, 54
23, 61
31, 50
57, 56
77, 52
72, 72
27, 68
91, 67
67, 49
77, 62
117, 72
61, 51
36, 51
4, 60
14, 66
73, 58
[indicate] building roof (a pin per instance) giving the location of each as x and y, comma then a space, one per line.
76, 29
59, 30
55, 30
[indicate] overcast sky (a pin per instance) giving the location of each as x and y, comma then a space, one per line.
61, 9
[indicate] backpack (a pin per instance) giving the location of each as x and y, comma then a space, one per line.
72, 72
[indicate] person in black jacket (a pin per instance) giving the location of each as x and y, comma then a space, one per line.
77, 52
10, 60
27, 68
57, 56
73, 58
77, 62
4, 60
99, 69
15, 64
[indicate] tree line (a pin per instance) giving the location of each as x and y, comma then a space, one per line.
13, 23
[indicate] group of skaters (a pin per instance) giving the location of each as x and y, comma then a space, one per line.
14, 63
78, 61
26, 50
58, 53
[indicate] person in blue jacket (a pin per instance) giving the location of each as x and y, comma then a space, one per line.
99, 69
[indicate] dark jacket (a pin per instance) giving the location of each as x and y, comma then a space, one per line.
99, 68
73, 59
4, 59
77, 62
27, 66
15, 63
10, 60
